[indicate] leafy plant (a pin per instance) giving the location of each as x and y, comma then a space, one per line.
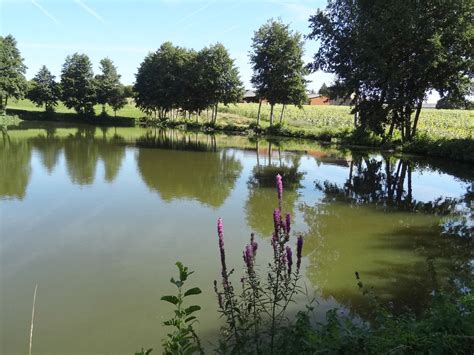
256, 317
183, 339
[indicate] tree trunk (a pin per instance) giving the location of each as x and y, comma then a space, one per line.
356, 114
215, 115
258, 113
271, 114
392, 126
417, 116
408, 124
103, 109
281, 114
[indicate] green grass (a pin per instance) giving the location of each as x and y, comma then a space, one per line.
129, 111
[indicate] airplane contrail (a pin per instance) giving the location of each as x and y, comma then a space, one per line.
194, 13
44, 11
89, 10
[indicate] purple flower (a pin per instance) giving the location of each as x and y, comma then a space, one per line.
277, 220
220, 233
275, 244
248, 257
299, 248
279, 185
288, 222
289, 258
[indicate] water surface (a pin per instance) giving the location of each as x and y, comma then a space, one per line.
96, 217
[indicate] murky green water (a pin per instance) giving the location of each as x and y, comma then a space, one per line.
97, 217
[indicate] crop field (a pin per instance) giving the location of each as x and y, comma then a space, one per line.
435, 123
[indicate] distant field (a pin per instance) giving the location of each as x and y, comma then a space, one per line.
435, 123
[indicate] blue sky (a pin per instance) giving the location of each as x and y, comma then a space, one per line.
125, 31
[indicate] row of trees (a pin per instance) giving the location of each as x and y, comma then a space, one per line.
175, 78
78, 88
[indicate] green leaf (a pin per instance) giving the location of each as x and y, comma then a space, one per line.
191, 309
177, 283
170, 299
183, 271
190, 319
193, 291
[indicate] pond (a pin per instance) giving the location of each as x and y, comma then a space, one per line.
97, 217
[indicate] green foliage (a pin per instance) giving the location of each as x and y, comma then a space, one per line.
143, 352
216, 80
107, 85
44, 91
324, 90
77, 84
12, 72
388, 54
175, 78
453, 103
183, 339
128, 91
447, 326
117, 98
278, 66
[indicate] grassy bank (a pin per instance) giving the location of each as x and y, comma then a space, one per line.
442, 133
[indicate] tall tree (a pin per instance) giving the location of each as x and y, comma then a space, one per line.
44, 90
12, 72
278, 67
77, 84
107, 83
323, 90
388, 54
117, 98
160, 80
218, 77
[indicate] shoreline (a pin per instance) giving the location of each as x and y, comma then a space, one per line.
459, 149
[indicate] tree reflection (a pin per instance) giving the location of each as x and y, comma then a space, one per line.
49, 148
373, 225
262, 197
83, 150
81, 153
111, 151
187, 167
385, 183
15, 156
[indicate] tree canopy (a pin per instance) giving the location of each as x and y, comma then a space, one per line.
389, 54
107, 83
277, 63
12, 71
44, 91
77, 83
179, 78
